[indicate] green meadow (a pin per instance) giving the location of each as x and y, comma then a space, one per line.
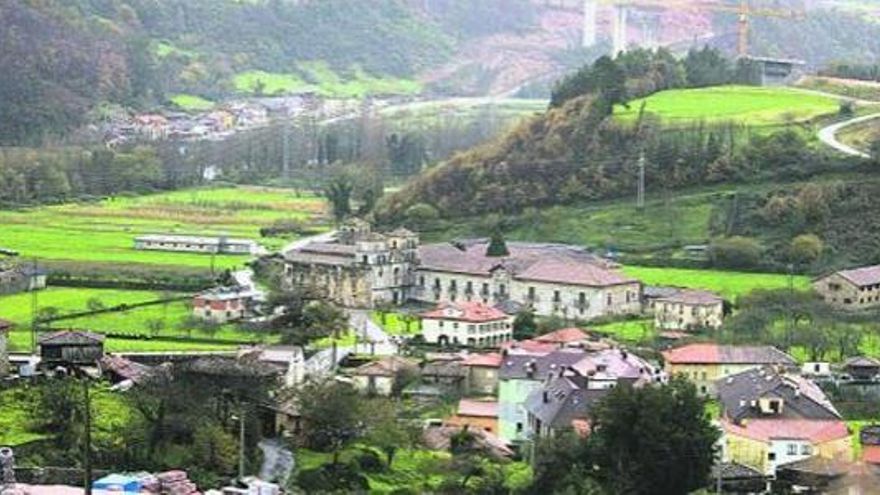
135, 322
191, 103
741, 104
320, 78
105, 231
729, 284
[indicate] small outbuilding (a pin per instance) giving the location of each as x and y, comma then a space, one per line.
862, 368
71, 348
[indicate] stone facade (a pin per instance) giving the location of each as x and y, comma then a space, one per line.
362, 268
854, 289
689, 310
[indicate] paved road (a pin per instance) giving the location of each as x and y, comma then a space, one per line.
828, 135
372, 339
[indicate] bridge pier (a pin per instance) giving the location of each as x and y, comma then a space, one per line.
590, 22
618, 35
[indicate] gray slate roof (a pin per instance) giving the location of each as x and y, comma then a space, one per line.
532, 367
802, 398
567, 399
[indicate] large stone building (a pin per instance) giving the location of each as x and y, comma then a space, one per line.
362, 268
858, 288
359, 269
688, 309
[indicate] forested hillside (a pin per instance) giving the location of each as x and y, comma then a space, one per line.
576, 151
64, 58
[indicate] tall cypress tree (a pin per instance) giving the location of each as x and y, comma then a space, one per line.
497, 246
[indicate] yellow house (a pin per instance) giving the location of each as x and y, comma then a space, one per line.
705, 364
770, 419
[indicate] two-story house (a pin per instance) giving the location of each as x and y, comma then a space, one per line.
469, 323
857, 288
688, 309
705, 364
770, 419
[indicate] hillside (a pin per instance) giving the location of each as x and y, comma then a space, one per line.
193, 52
578, 151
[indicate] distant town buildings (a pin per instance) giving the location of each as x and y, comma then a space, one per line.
470, 323
222, 304
363, 268
858, 288
705, 364
771, 419
196, 244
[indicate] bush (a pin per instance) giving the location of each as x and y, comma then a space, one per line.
806, 249
370, 461
735, 252
330, 478
421, 214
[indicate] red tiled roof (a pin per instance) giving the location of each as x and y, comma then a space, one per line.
697, 297
530, 346
765, 430
568, 271
866, 275
492, 360
871, 454
563, 336
486, 409
472, 311
727, 354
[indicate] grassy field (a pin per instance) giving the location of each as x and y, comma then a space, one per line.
728, 284
413, 470
741, 104
17, 308
191, 103
109, 409
395, 324
628, 331
318, 77
104, 231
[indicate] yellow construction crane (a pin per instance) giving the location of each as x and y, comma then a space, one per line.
744, 10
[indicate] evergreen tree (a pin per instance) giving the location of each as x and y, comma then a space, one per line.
497, 247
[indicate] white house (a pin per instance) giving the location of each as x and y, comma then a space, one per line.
470, 323
222, 304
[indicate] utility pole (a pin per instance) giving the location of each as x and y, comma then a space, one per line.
34, 310
240, 441
285, 150
87, 448
640, 198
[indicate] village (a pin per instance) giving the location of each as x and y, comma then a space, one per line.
473, 356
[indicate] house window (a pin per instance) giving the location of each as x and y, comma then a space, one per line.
608, 299
532, 293
806, 450
792, 449
556, 296
453, 286
469, 287
421, 281
771, 456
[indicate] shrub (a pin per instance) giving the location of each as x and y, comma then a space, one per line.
330, 478
370, 461
735, 252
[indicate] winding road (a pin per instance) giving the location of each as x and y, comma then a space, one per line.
828, 135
